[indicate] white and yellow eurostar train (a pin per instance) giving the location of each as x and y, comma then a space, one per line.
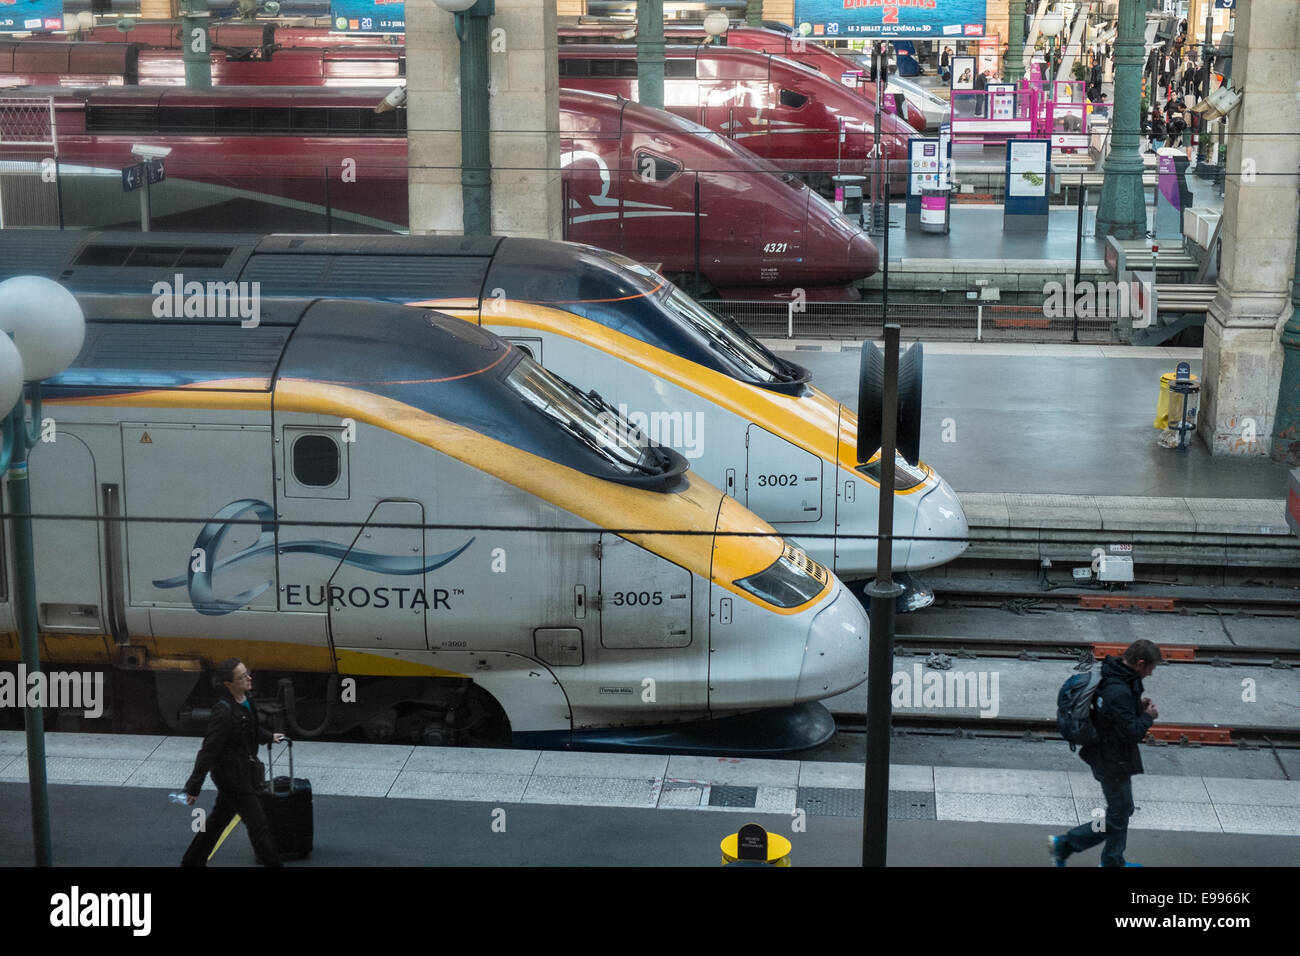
391, 495
749, 422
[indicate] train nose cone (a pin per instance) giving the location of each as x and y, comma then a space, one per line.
939, 515
835, 654
862, 257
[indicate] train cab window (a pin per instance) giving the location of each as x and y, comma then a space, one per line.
315, 461
394, 121
792, 99
649, 165
681, 67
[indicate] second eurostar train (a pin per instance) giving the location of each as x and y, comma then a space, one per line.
747, 420
369, 491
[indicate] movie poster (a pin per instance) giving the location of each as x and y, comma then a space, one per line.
916, 19
28, 16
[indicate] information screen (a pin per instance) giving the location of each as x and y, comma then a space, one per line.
23, 16
925, 19
367, 16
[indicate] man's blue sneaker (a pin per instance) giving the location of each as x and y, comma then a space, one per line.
1103, 864
1053, 843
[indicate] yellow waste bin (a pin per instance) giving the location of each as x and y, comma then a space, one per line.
1169, 407
778, 849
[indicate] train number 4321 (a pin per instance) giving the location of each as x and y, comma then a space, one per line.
775, 246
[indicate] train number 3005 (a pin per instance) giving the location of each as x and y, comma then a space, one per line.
777, 481
776, 246
638, 598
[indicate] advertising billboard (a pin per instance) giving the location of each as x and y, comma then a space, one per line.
26, 16
367, 16
917, 19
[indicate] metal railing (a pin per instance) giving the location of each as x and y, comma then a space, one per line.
956, 321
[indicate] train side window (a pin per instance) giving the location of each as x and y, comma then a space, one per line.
662, 169
575, 67
271, 120
112, 119
392, 121
310, 118
680, 67
347, 120
792, 99
233, 119
315, 461
184, 119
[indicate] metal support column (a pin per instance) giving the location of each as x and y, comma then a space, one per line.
475, 120
196, 51
1013, 67
1286, 423
1122, 210
650, 52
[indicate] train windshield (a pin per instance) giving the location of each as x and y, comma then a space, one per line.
760, 364
588, 418
634, 300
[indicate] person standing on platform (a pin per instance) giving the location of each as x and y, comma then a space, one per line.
945, 64
981, 101
1122, 717
229, 752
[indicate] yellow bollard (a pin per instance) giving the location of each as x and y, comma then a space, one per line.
778, 847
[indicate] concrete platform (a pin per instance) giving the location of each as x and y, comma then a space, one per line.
1059, 420
575, 787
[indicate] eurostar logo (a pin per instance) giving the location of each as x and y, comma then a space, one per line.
198, 580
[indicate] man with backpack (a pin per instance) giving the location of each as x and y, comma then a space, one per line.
1119, 719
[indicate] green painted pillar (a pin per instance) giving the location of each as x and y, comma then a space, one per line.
754, 13
1013, 67
196, 51
475, 120
1286, 423
1122, 211
650, 52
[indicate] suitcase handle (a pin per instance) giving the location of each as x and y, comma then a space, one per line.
270, 763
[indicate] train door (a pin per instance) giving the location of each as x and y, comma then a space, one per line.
647, 645
357, 560
783, 482
69, 560
206, 576
658, 200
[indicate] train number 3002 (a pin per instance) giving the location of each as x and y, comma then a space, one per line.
776, 246
638, 598
777, 481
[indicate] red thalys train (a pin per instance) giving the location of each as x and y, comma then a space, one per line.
789, 114
802, 50
785, 112
638, 181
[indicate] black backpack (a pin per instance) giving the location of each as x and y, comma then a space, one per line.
1074, 703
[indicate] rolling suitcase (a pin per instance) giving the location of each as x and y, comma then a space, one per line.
287, 804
